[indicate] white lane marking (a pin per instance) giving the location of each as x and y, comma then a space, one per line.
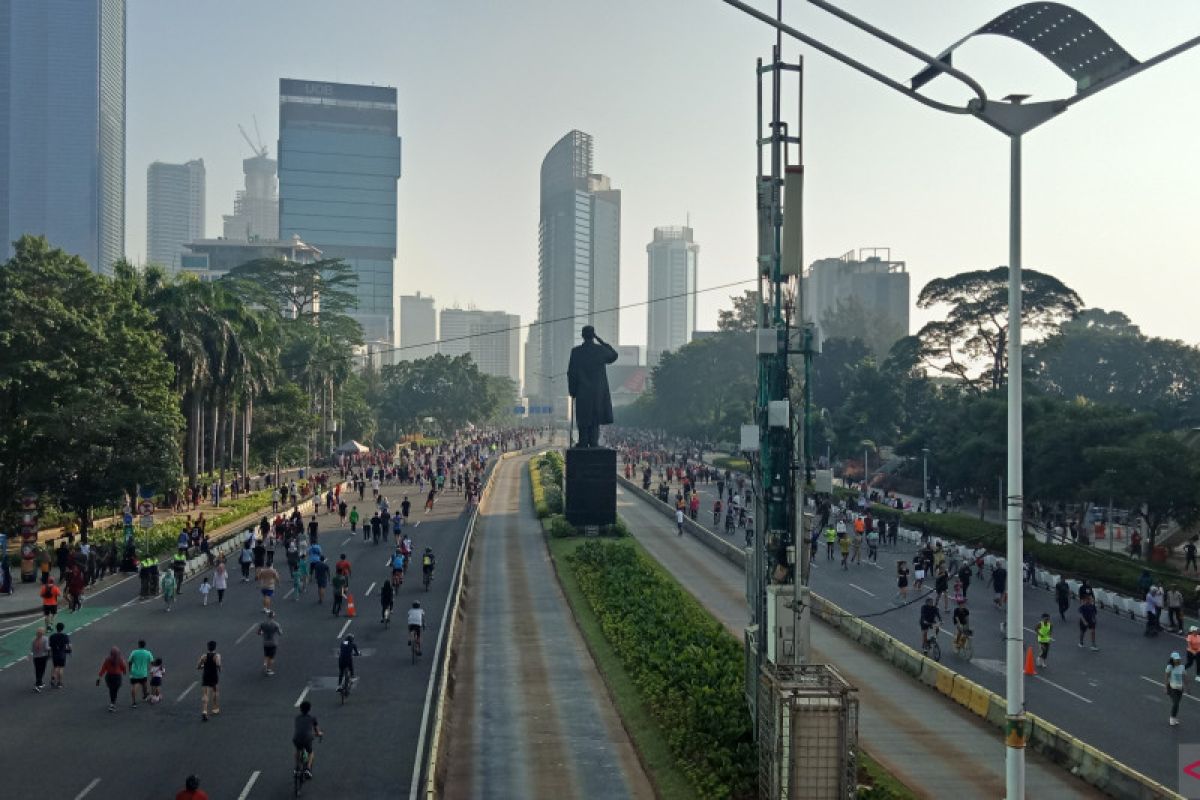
367, 593
417, 524
247, 633
861, 589
1186, 694
342, 632
1063, 689
290, 592
185, 692
249, 785
348, 538
300, 699
88, 788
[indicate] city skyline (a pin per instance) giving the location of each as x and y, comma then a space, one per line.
943, 206
175, 206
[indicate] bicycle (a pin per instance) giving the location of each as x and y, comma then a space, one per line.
387, 617
931, 647
414, 644
345, 687
962, 645
428, 578
303, 761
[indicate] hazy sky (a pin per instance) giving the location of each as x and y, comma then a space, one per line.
667, 88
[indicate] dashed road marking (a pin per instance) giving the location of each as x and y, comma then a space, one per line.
1063, 689
184, 693
249, 785
300, 699
95, 782
342, 632
367, 593
247, 633
1186, 695
864, 591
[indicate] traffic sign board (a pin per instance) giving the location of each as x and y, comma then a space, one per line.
145, 507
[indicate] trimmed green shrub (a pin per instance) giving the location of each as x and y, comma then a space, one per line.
687, 668
559, 527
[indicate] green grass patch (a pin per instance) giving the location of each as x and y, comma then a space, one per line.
735, 463
876, 783
669, 780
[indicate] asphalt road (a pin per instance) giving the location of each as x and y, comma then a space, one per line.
1081, 691
245, 752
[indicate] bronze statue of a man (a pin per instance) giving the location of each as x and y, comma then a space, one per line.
587, 382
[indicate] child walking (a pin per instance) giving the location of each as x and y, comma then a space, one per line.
205, 588
157, 673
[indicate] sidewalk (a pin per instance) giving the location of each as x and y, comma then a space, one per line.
935, 747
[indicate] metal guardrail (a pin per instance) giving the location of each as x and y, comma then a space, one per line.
433, 716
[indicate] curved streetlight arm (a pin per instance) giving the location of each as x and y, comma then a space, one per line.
869, 71
899, 44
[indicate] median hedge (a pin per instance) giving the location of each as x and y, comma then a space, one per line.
1101, 568
687, 668
546, 475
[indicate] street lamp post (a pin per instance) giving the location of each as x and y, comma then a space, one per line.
925, 473
1086, 53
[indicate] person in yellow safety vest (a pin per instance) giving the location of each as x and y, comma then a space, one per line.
1044, 637
1193, 650
830, 539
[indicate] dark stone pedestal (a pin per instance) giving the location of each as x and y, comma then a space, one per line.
590, 495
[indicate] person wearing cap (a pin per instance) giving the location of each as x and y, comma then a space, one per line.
1193, 650
1175, 673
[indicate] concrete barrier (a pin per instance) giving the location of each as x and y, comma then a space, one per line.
727, 550
1096, 768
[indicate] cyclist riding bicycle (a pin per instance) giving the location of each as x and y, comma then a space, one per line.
304, 731
398, 563
962, 623
427, 561
416, 623
930, 616
346, 653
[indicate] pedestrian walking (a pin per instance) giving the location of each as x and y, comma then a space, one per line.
844, 548
1189, 553
168, 586
139, 671
340, 583
1062, 594
941, 587
902, 581
220, 580
679, 520
999, 585
209, 667
158, 673
111, 670
1087, 621
270, 632
1175, 609
245, 559
873, 546
39, 651
50, 593
268, 579
205, 589
60, 648
1175, 673
1193, 650
1044, 631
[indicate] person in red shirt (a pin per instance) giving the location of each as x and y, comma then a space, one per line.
191, 790
342, 567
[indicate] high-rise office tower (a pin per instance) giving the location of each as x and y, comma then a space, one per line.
339, 160
491, 338
579, 262
671, 315
62, 126
174, 210
867, 283
533, 360
418, 328
255, 208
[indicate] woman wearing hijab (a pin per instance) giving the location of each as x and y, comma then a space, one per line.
111, 671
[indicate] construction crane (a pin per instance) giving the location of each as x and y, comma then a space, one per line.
259, 149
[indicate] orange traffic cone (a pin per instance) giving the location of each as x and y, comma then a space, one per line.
350, 612
1029, 670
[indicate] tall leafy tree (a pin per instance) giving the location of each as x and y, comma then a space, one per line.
974, 333
1156, 474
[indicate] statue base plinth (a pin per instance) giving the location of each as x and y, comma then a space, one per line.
590, 496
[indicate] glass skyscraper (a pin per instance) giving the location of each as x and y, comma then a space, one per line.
339, 160
62, 126
579, 261
174, 210
671, 290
